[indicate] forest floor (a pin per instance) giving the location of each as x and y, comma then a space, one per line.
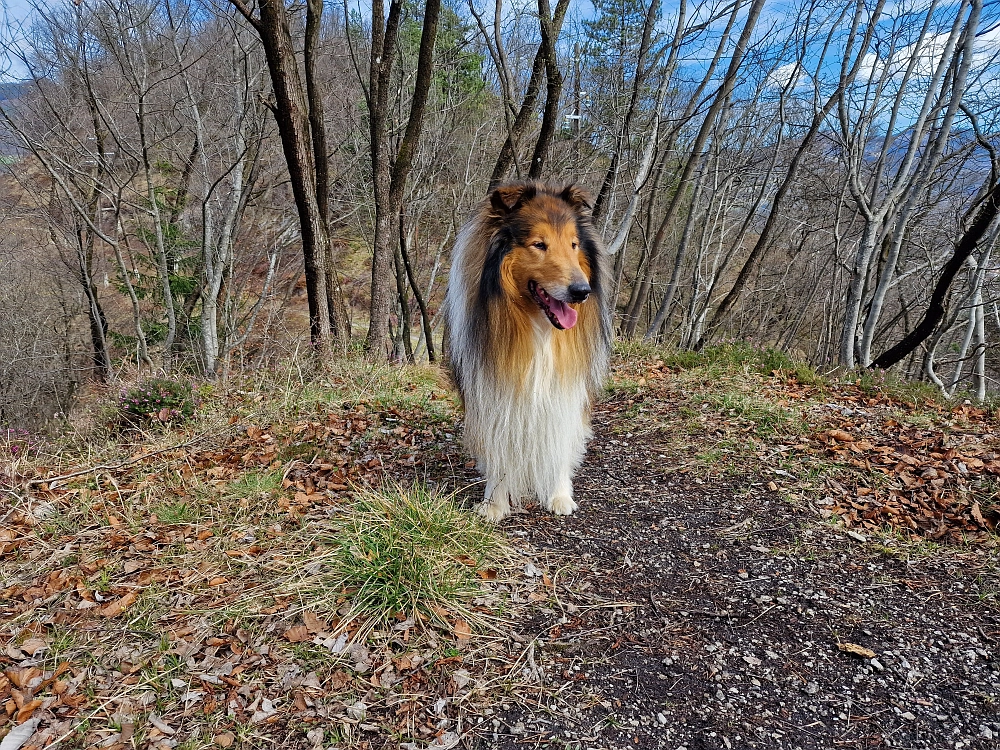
762, 558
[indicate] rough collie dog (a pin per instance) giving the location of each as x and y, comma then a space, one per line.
530, 338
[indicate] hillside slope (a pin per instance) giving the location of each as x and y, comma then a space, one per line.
762, 558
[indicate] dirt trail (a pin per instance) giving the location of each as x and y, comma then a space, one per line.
713, 615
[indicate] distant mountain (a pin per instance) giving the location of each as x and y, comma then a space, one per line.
11, 90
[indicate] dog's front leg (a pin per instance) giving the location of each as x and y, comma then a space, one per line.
561, 503
496, 501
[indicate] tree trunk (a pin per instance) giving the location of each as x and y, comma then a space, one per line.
425, 318
936, 308
509, 151
403, 292
299, 145
95, 314
638, 301
553, 92
849, 73
390, 185
637, 84
337, 309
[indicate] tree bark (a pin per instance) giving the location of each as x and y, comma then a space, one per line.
987, 213
553, 92
390, 183
293, 115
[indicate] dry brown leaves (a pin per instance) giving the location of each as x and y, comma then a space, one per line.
941, 482
928, 482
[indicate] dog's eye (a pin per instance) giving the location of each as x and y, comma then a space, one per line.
539, 245
575, 245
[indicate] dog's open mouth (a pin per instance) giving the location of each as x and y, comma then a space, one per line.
561, 315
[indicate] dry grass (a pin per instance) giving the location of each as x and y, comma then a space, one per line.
254, 574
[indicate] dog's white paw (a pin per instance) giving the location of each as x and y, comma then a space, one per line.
562, 505
494, 510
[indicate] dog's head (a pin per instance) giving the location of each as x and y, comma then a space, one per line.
543, 255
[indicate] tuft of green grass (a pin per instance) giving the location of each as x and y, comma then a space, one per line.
175, 513
914, 392
254, 484
409, 552
768, 419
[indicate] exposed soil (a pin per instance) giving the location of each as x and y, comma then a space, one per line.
713, 614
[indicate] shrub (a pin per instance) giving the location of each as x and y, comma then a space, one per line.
156, 400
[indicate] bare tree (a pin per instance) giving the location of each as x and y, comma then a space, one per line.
390, 171
300, 125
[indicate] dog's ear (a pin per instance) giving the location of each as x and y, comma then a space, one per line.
577, 197
508, 198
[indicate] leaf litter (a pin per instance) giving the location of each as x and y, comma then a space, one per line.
185, 593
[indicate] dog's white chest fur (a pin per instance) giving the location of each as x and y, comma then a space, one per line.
529, 439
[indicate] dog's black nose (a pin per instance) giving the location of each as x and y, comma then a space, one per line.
579, 292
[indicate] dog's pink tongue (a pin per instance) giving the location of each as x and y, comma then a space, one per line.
565, 314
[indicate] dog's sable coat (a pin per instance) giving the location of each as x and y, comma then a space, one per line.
530, 339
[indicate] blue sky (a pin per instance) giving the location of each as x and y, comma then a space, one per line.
17, 11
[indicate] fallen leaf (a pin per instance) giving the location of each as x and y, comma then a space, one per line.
976, 513
297, 634
27, 710
841, 437
855, 650
487, 575
20, 734
118, 606
157, 722
33, 645
339, 679
226, 739
313, 622
462, 630
218, 581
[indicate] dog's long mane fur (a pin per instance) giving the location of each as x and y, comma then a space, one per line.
527, 387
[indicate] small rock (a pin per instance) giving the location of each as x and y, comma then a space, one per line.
985, 732
812, 688
357, 712
877, 665
663, 720
857, 537
908, 716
